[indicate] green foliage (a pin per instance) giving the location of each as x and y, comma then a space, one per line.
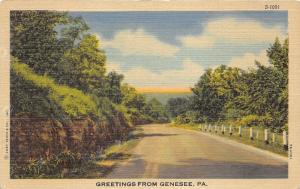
254, 120
134, 104
266, 92
177, 106
58, 72
82, 67
33, 38
214, 89
31, 99
72, 101
65, 67
156, 111
189, 117
278, 56
139, 110
112, 88
194, 117
257, 97
52, 166
132, 99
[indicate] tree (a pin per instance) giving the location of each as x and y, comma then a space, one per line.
214, 89
278, 55
156, 110
112, 88
177, 106
132, 99
83, 66
266, 94
34, 40
258, 95
58, 74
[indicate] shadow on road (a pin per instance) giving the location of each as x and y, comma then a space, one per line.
117, 156
178, 154
206, 168
202, 168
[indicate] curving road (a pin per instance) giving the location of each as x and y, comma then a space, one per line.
168, 152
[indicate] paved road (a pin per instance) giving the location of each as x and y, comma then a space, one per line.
166, 152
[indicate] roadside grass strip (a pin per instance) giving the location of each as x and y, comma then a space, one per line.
274, 142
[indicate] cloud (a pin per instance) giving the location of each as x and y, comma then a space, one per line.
141, 77
233, 31
247, 61
139, 42
198, 41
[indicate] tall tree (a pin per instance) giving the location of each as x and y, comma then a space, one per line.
83, 66
214, 89
112, 88
132, 99
34, 39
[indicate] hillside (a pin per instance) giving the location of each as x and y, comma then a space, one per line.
164, 97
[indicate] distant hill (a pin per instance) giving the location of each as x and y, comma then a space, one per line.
164, 97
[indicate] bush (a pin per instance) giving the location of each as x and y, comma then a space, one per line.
52, 166
188, 117
255, 120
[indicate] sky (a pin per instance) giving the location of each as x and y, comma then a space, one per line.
170, 50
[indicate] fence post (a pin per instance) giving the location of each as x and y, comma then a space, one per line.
273, 137
266, 136
230, 130
209, 127
240, 131
285, 140
216, 129
251, 133
257, 134
223, 128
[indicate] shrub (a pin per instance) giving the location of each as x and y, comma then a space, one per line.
52, 166
254, 120
188, 117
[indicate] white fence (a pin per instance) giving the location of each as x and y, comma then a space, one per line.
251, 133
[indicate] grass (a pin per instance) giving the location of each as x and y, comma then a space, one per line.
113, 155
73, 101
256, 142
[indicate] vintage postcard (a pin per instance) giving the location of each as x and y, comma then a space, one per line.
150, 94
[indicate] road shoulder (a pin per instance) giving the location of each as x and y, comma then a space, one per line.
238, 144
